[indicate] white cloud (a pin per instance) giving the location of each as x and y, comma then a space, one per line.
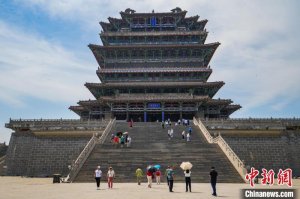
31, 66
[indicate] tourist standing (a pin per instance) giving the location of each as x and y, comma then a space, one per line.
188, 137
163, 124
129, 141
110, 177
171, 133
187, 175
179, 121
97, 175
157, 175
183, 134
190, 130
170, 175
122, 141
149, 178
213, 180
166, 123
185, 122
131, 123
112, 138
139, 174
166, 174
116, 141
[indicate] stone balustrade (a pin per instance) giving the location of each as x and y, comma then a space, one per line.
2, 158
55, 124
252, 123
228, 151
88, 149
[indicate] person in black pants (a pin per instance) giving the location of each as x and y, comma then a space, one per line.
170, 175
187, 174
97, 175
213, 180
166, 174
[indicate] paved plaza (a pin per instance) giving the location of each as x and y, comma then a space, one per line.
43, 188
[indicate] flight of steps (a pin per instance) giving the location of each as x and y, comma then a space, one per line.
2, 163
150, 145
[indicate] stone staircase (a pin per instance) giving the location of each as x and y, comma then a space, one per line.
150, 145
2, 163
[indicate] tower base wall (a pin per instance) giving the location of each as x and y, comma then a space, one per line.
35, 156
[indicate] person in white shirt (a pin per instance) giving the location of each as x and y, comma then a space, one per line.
187, 174
179, 121
171, 133
110, 177
188, 137
98, 175
129, 141
183, 134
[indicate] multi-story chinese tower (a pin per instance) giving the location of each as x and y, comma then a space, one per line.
154, 66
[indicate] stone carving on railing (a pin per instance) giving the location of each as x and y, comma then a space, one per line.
75, 168
233, 158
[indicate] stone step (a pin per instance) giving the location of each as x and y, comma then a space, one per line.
150, 145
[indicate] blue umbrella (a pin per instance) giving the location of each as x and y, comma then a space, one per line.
157, 166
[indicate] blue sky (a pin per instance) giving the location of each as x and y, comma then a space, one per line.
45, 61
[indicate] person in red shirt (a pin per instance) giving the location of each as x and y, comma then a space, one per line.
116, 140
149, 178
158, 174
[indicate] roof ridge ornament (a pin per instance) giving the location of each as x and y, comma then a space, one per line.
177, 9
129, 11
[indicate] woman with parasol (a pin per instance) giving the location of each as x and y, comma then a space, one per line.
186, 167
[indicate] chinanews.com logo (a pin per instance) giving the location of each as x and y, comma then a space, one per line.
284, 178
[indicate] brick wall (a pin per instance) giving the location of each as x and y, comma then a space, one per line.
293, 141
29, 155
270, 152
3, 149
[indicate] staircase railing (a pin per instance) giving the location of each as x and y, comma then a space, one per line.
2, 159
204, 131
87, 150
227, 150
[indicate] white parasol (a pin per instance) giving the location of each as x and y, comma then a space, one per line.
186, 166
